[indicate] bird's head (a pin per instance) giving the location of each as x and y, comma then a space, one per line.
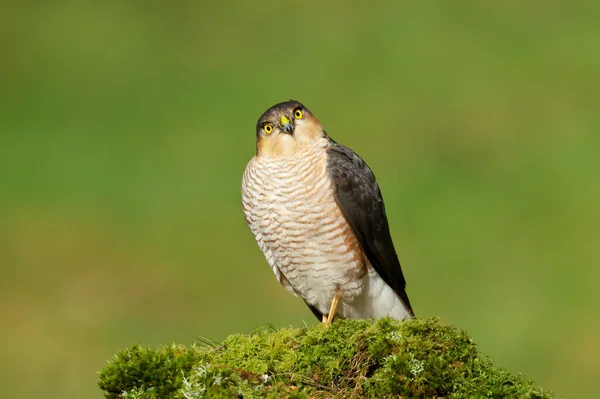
286, 128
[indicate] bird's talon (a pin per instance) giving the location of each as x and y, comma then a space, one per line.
333, 308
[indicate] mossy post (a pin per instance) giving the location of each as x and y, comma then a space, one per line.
418, 358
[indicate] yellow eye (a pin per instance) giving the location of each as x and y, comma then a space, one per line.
268, 128
298, 114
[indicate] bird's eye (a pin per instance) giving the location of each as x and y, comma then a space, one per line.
298, 113
268, 128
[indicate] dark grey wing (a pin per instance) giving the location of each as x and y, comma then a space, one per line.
358, 196
315, 311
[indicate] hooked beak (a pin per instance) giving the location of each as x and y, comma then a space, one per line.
286, 125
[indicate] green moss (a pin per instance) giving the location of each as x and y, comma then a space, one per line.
353, 358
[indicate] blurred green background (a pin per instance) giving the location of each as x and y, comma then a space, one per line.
125, 128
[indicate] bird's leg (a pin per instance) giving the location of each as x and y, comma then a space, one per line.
333, 308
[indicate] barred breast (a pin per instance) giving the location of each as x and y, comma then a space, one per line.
290, 208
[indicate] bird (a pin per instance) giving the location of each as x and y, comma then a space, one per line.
317, 213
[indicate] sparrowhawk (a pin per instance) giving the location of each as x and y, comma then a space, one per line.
317, 214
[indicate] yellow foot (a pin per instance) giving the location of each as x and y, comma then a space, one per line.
332, 310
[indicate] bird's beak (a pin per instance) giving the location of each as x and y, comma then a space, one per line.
286, 125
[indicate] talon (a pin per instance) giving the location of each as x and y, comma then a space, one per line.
333, 308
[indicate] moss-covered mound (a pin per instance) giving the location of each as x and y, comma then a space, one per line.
352, 359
